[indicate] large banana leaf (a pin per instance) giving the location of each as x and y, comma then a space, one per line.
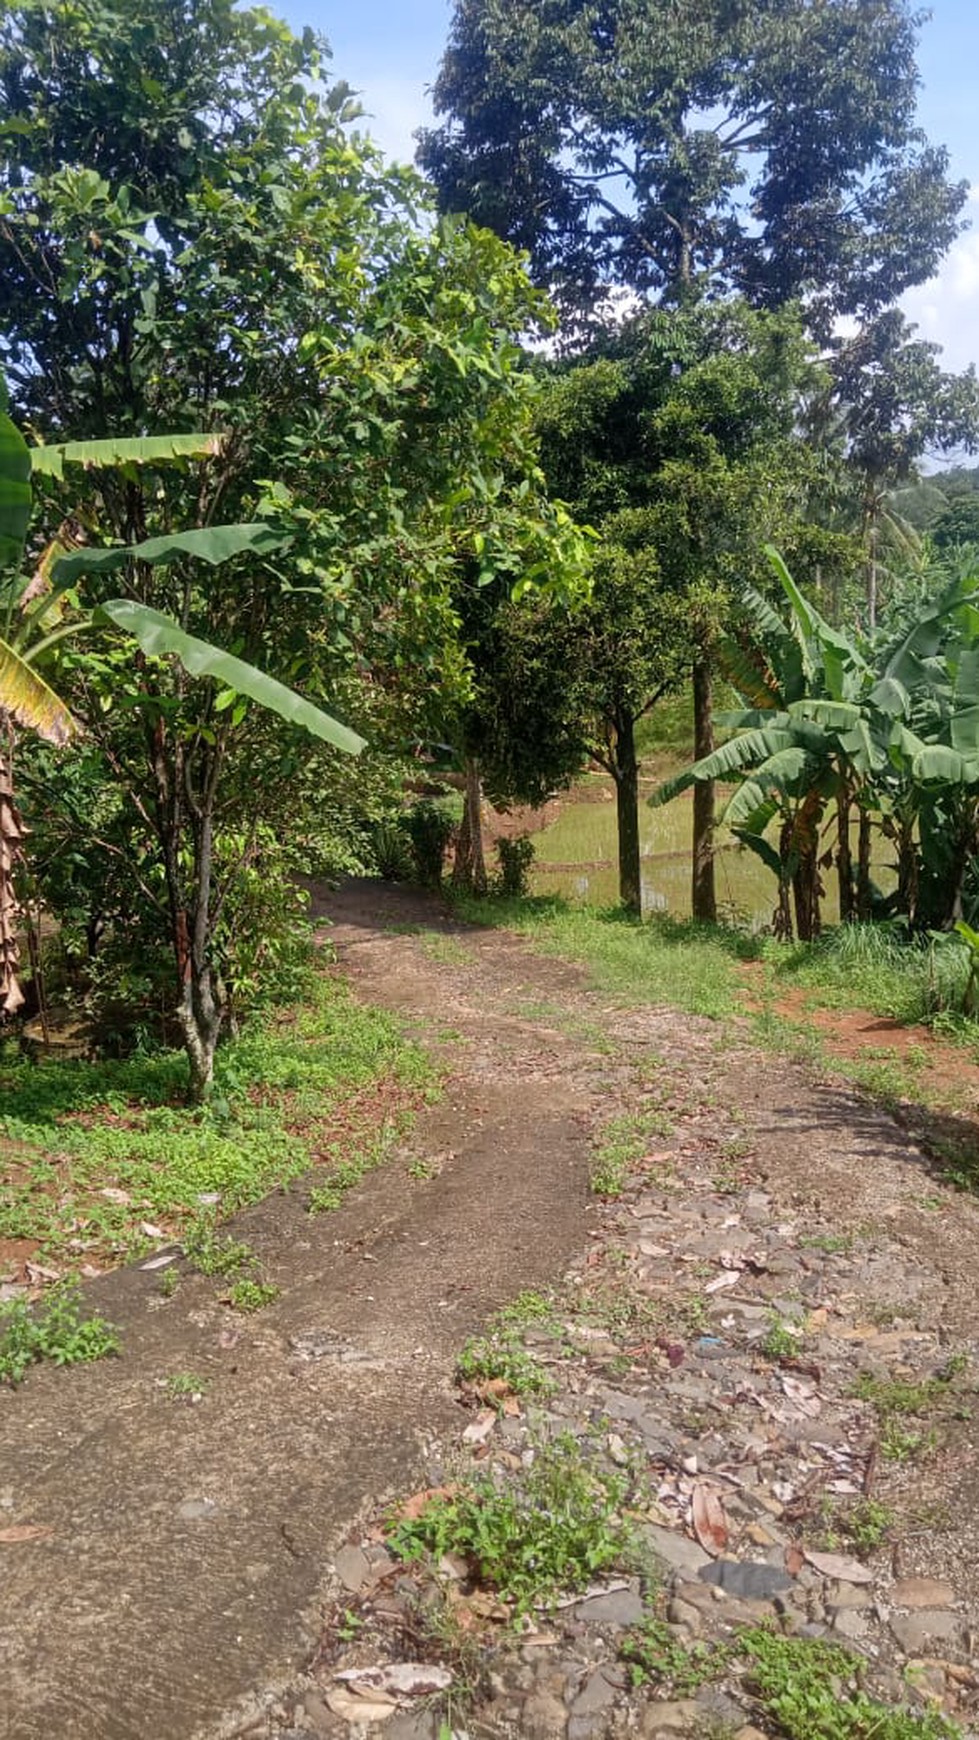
785, 772
748, 750
15, 492
161, 638
132, 450
837, 715
27, 698
213, 544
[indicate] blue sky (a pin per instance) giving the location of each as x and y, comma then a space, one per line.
390, 53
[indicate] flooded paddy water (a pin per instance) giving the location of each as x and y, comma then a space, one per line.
576, 857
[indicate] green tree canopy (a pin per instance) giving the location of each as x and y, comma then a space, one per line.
768, 147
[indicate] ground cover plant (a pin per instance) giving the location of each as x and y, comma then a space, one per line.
102, 1161
552, 1530
57, 1329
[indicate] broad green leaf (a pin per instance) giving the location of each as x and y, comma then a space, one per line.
936, 762
751, 748
29, 700
15, 492
161, 638
891, 697
214, 544
838, 715
965, 731
134, 450
788, 772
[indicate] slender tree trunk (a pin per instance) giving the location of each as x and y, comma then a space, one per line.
469, 869
805, 880
844, 856
872, 518
782, 917
703, 903
863, 866
907, 867
626, 775
11, 834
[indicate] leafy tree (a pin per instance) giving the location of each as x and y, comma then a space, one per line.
676, 444
893, 404
889, 723
26, 699
192, 239
767, 147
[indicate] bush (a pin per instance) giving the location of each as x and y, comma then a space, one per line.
515, 859
430, 829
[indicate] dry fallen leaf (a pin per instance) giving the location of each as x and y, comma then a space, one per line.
727, 1278
794, 1559
413, 1507
112, 1194
25, 1532
802, 1395
840, 1569
406, 1679
150, 1231
479, 1429
359, 1711
709, 1521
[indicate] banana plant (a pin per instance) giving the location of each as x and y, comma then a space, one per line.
831, 719
32, 627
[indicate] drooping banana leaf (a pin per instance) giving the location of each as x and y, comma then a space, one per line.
29, 700
786, 771
160, 637
131, 450
15, 492
213, 544
751, 748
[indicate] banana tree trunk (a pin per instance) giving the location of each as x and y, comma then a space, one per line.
844, 857
11, 834
703, 902
863, 866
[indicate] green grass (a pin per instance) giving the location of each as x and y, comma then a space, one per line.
620, 1146
56, 1329
499, 1358
656, 1656
805, 1686
658, 961
551, 1529
95, 1152
185, 1386
252, 1294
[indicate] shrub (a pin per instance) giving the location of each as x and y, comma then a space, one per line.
515, 859
430, 829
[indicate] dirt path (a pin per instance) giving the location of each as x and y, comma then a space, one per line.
187, 1543
181, 1591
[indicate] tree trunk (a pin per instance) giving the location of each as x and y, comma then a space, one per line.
782, 916
11, 834
703, 903
844, 857
805, 880
873, 514
907, 868
626, 776
863, 866
469, 869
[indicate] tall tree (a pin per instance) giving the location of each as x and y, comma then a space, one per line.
677, 446
767, 147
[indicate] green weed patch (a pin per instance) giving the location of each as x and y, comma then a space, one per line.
103, 1158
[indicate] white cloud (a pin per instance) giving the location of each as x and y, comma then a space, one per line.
946, 309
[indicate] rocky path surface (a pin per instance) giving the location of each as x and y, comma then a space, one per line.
773, 1326
769, 1334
